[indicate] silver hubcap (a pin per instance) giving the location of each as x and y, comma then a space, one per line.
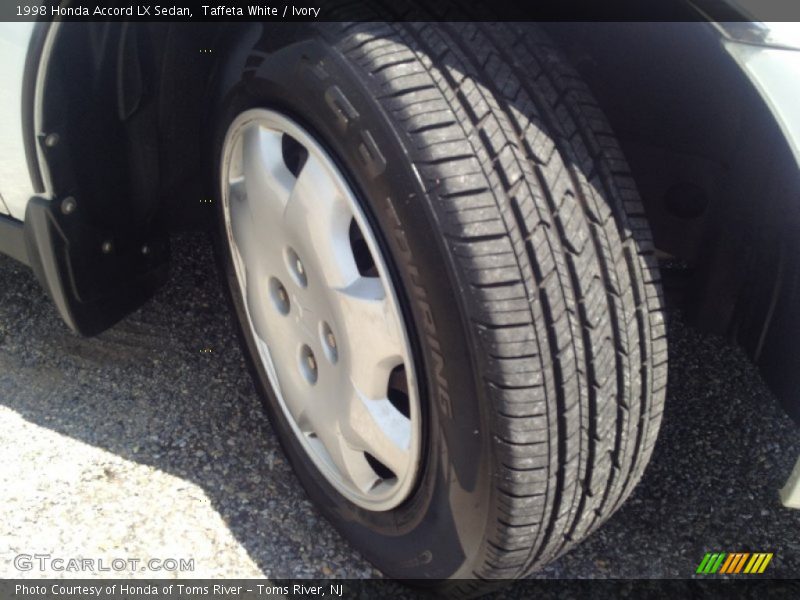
322, 309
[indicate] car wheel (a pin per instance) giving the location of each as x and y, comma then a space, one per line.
446, 288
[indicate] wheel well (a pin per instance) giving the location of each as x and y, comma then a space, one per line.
718, 179
133, 105
130, 103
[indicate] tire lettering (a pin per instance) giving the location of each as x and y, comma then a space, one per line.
443, 399
370, 155
342, 109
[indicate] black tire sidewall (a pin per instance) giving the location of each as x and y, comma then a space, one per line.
437, 532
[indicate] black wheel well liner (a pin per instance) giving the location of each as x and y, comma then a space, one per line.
131, 102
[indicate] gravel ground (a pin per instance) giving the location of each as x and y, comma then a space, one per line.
148, 441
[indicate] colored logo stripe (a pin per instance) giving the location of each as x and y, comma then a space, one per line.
727, 564
711, 562
758, 563
737, 562
734, 563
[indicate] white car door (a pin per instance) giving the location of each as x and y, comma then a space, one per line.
15, 181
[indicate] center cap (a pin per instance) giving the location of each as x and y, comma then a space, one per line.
304, 317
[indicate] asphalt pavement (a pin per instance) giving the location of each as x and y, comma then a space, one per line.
148, 441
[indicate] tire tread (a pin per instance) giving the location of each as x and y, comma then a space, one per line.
547, 232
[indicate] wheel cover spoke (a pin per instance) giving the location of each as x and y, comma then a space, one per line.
372, 334
377, 427
249, 244
318, 214
267, 178
329, 334
350, 462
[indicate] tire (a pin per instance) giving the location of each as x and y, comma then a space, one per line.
523, 263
